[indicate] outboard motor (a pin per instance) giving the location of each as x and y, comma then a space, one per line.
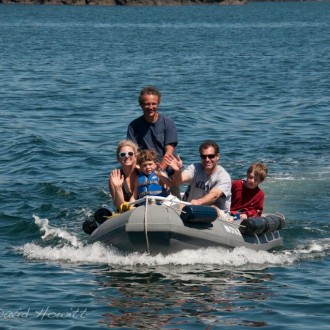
262, 225
89, 226
100, 216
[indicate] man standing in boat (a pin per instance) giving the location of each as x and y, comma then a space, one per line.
152, 130
209, 183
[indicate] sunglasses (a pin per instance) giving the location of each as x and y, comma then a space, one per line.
211, 156
126, 154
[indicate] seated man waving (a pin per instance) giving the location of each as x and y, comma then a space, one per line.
209, 183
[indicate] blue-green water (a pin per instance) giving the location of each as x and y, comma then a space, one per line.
255, 78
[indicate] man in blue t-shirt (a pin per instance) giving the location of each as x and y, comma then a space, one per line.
152, 130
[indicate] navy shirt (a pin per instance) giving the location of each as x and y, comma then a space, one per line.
153, 135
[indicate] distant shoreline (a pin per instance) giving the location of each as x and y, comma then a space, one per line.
127, 2
143, 2
124, 2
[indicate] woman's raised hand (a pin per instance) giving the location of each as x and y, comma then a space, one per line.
116, 178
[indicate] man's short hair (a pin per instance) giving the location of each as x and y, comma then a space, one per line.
149, 90
210, 143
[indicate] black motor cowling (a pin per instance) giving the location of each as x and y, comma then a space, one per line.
100, 216
89, 226
262, 225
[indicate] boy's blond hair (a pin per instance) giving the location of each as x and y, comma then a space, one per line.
260, 171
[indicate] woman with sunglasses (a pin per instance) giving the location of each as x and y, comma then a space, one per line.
122, 181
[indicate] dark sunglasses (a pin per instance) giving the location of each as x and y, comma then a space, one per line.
126, 154
211, 156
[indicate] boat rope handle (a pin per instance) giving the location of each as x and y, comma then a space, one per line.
125, 207
232, 223
146, 223
176, 210
156, 198
280, 215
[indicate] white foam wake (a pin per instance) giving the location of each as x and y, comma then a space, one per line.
72, 250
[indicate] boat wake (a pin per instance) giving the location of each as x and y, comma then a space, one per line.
60, 246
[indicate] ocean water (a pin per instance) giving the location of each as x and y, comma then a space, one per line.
255, 78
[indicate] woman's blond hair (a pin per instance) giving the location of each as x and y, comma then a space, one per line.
126, 143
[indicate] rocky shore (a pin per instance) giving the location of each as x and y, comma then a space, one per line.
127, 2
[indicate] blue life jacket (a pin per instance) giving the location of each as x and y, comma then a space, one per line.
149, 185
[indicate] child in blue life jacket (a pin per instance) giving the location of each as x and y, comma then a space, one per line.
152, 179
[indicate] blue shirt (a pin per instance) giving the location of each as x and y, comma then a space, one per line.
153, 135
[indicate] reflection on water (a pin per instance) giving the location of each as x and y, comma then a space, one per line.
182, 297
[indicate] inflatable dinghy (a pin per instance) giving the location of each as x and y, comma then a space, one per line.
158, 225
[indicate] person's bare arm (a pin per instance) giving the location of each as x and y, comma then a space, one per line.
169, 150
208, 199
116, 180
164, 180
176, 164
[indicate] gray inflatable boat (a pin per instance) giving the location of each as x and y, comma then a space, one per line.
157, 225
